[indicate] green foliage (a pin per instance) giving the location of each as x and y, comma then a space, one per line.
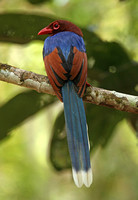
59, 155
37, 1
111, 36
23, 30
20, 108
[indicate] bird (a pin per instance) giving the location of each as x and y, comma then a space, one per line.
65, 60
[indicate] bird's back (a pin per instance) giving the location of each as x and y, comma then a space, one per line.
64, 40
65, 59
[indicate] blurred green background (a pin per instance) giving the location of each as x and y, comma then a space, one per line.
34, 160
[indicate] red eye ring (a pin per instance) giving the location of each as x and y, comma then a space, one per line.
56, 26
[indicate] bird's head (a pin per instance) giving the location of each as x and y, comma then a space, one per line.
60, 26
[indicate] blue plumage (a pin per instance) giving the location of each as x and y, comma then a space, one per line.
76, 127
65, 60
64, 40
76, 132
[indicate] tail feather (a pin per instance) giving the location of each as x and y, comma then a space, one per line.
77, 135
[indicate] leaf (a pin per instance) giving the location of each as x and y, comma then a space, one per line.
20, 108
59, 154
37, 1
23, 30
133, 119
124, 80
101, 124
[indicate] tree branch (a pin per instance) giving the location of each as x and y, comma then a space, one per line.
40, 83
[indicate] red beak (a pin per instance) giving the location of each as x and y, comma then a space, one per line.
45, 31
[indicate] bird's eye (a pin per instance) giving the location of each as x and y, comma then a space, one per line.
56, 26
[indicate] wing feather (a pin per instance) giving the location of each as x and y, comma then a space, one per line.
77, 70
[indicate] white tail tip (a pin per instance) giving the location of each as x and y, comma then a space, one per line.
82, 177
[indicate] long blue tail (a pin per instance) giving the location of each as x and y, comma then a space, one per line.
77, 135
